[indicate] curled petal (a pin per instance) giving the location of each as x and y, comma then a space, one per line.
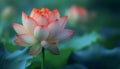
20, 42
27, 38
41, 33
65, 34
34, 50
19, 28
28, 23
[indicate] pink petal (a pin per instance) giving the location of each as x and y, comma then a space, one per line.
65, 34
27, 38
34, 13
55, 15
34, 50
28, 23
57, 26
19, 28
24, 17
41, 33
63, 21
54, 28
45, 12
20, 42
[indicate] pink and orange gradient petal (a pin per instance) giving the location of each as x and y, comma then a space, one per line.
54, 15
35, 12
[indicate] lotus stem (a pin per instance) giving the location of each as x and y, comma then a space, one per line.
43, 57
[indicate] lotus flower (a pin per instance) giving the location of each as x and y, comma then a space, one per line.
42, 29
76, 13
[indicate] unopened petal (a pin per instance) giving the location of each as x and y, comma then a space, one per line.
65, 34
34, 50
20, 42
19, 28
27, 38
41, 33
